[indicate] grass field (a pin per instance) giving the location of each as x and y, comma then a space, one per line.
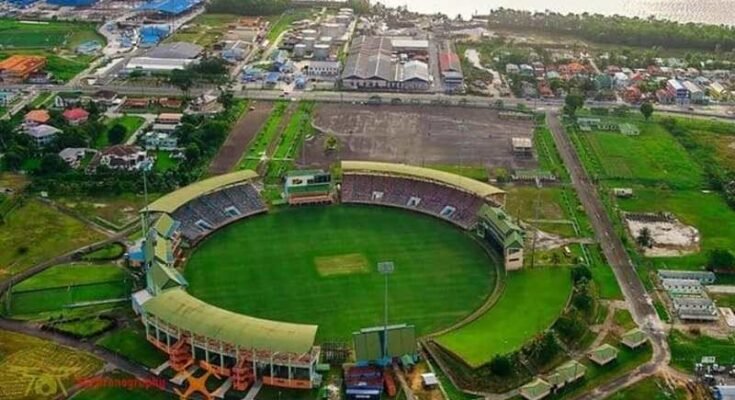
131, 123
650, 389
531, 301
204, 30
130, 343
686, 350
48, 35
28, 363
654, 157
441, 274
109, 210
65, 285
25, 238
164, 161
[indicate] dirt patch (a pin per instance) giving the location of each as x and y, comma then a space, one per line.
241, 135
732, 145
419, 135
345, 264
414, 381
669, 236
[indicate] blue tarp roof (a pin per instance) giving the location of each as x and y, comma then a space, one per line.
174, 7
273, 77
72, 3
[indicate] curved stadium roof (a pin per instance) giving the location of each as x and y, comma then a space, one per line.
172, 201
471, 185
178, 308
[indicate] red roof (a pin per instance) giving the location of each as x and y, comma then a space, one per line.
449, 61
38, 116
76, 114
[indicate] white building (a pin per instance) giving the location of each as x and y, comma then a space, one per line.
42, 135
160, 141
329, 69
148, 65
124, 157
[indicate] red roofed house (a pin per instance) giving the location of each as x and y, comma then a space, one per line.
76, 116
36, 117
632, 94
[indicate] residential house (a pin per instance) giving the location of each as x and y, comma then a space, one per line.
696, 94
632, 94
512, 69
105, 97
566, 374
169, 118
160, 141
42, 135
205, 104
75, 155
621, 80
535, 390
36, 117
124, 157
76, 116
67, 99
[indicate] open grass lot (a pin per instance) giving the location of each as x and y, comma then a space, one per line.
654, 157
531, 301
26, 361
25, 237
164, 161
299, 126
205, 30
708, 212
686, 350
266, 267
45, 35
131, 123
650, 389
112, 211
63, 67
130, 342
65, 285
280, 24
528, 203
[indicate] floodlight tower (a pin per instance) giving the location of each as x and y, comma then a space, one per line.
386, 268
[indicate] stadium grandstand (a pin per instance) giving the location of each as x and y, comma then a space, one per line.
308, 187
192, 332
465, 202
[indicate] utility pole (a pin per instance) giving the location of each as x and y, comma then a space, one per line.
535, 229
386, 268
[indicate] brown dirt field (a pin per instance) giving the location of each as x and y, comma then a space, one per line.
241, 135
419, 135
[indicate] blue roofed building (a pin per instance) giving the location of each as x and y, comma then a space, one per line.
272, 78
150, 35
22, 3
89, 47
170, 7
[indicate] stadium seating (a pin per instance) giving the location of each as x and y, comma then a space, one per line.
432, 198
217, 209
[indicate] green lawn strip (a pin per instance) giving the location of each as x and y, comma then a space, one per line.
130, 342
109, 252
65, 275
84, 327
299, 126
724, 300
596, 375
452, 392
280, 24
653, 388
164, 161
624, 319
687, 350
65, 285
131, 123
267, 133
42, 99
25, 237
526, 307
442, 273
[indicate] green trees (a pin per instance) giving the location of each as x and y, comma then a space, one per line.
572, 103
116, 134
647, 110
721, 259
620, 30
501, 365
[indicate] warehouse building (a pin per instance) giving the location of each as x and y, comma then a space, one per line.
18, 68
165, 58
372, 66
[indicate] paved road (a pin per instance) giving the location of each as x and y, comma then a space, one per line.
638, 300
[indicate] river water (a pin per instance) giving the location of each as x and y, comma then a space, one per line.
706, 11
